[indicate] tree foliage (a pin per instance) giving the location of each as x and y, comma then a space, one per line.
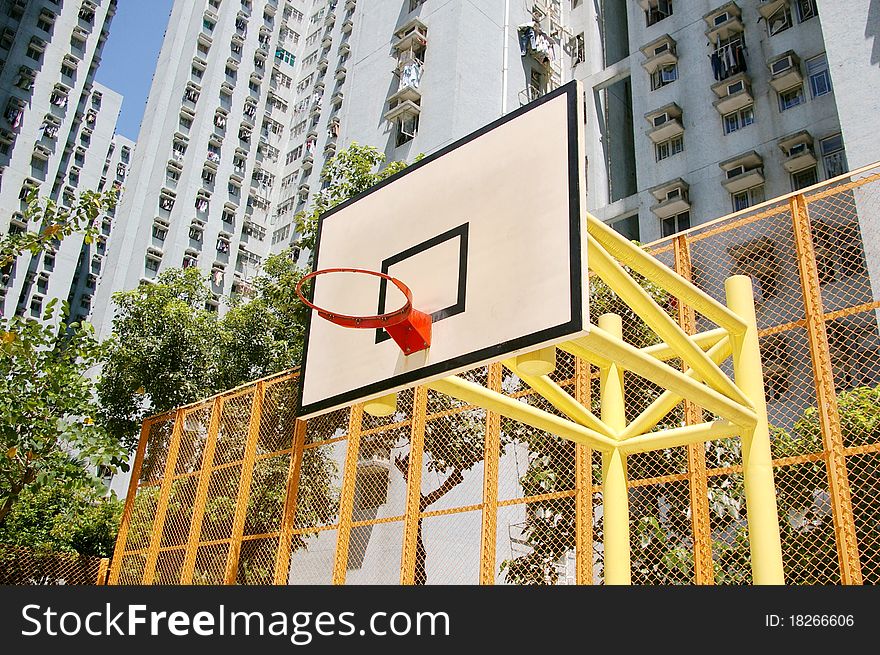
47, 429
55, 518
352, 171
54, 222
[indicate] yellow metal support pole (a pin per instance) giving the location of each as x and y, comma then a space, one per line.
828, 412
244, 484
683, 436
414, 487
698, 483
195, 524
101, 578
122, 535
561, 399
492, 451
704, 340
164, 495
288, 517
637, 259
763, 519
383, 406
583, 482
666, 401
475, 394
647, 308
537, 363
615, 498
633, 359
346, 497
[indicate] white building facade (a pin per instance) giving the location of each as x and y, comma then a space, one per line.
55, 133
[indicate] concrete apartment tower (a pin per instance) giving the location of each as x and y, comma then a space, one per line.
56, 130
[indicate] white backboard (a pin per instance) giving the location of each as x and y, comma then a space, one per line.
489, 234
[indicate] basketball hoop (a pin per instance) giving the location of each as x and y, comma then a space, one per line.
410, 328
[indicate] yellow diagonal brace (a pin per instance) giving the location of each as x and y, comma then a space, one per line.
680, 436
660, 373
704, 340
492, 401
638, 260
666, 401
636, 297
556, 396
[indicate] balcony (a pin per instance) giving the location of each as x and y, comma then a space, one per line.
798, 150
672, 198
330, 19
347, 26
734, 94
341, 72
769, 7
742, 172
659, 53
412, 34
666, 122
327, 41
724, 22
785, 71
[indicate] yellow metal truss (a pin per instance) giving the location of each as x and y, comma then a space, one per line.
739, 402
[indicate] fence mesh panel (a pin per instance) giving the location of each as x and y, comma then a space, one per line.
240, 470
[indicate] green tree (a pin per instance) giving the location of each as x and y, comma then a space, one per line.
54, 222
47, 429
54, 518
352, 171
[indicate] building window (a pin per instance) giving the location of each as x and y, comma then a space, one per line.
151, 264
820, 77
748, 198
657, 11
738, 119
669, 148
627, 227
839, 251
580, 49
407, 128
780, 21
791, 98
675, 224
833, 155
806, 9
663, 76
804, 178
45, 21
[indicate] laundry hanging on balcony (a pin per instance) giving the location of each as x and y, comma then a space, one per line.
728, 60
534, 41
411, 75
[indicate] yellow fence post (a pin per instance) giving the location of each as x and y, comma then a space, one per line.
346, 497
826, 397
164, 495
615, 498
101, 578
414, 487
288, 517
763, 520
244, 485
698, 484
492, 448
122, 535
195, 524
583, 481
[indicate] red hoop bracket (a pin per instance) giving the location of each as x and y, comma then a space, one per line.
410, 328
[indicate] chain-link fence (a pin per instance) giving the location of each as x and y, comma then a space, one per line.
25, 566
237, 490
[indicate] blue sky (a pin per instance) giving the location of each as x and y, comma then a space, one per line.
130, 55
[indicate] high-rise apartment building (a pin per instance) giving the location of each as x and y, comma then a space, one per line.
694, 109
56, 131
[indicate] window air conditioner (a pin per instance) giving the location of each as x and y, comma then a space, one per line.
736, 87
781, 65
737, 170
721, 18
661, 48
659, 119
